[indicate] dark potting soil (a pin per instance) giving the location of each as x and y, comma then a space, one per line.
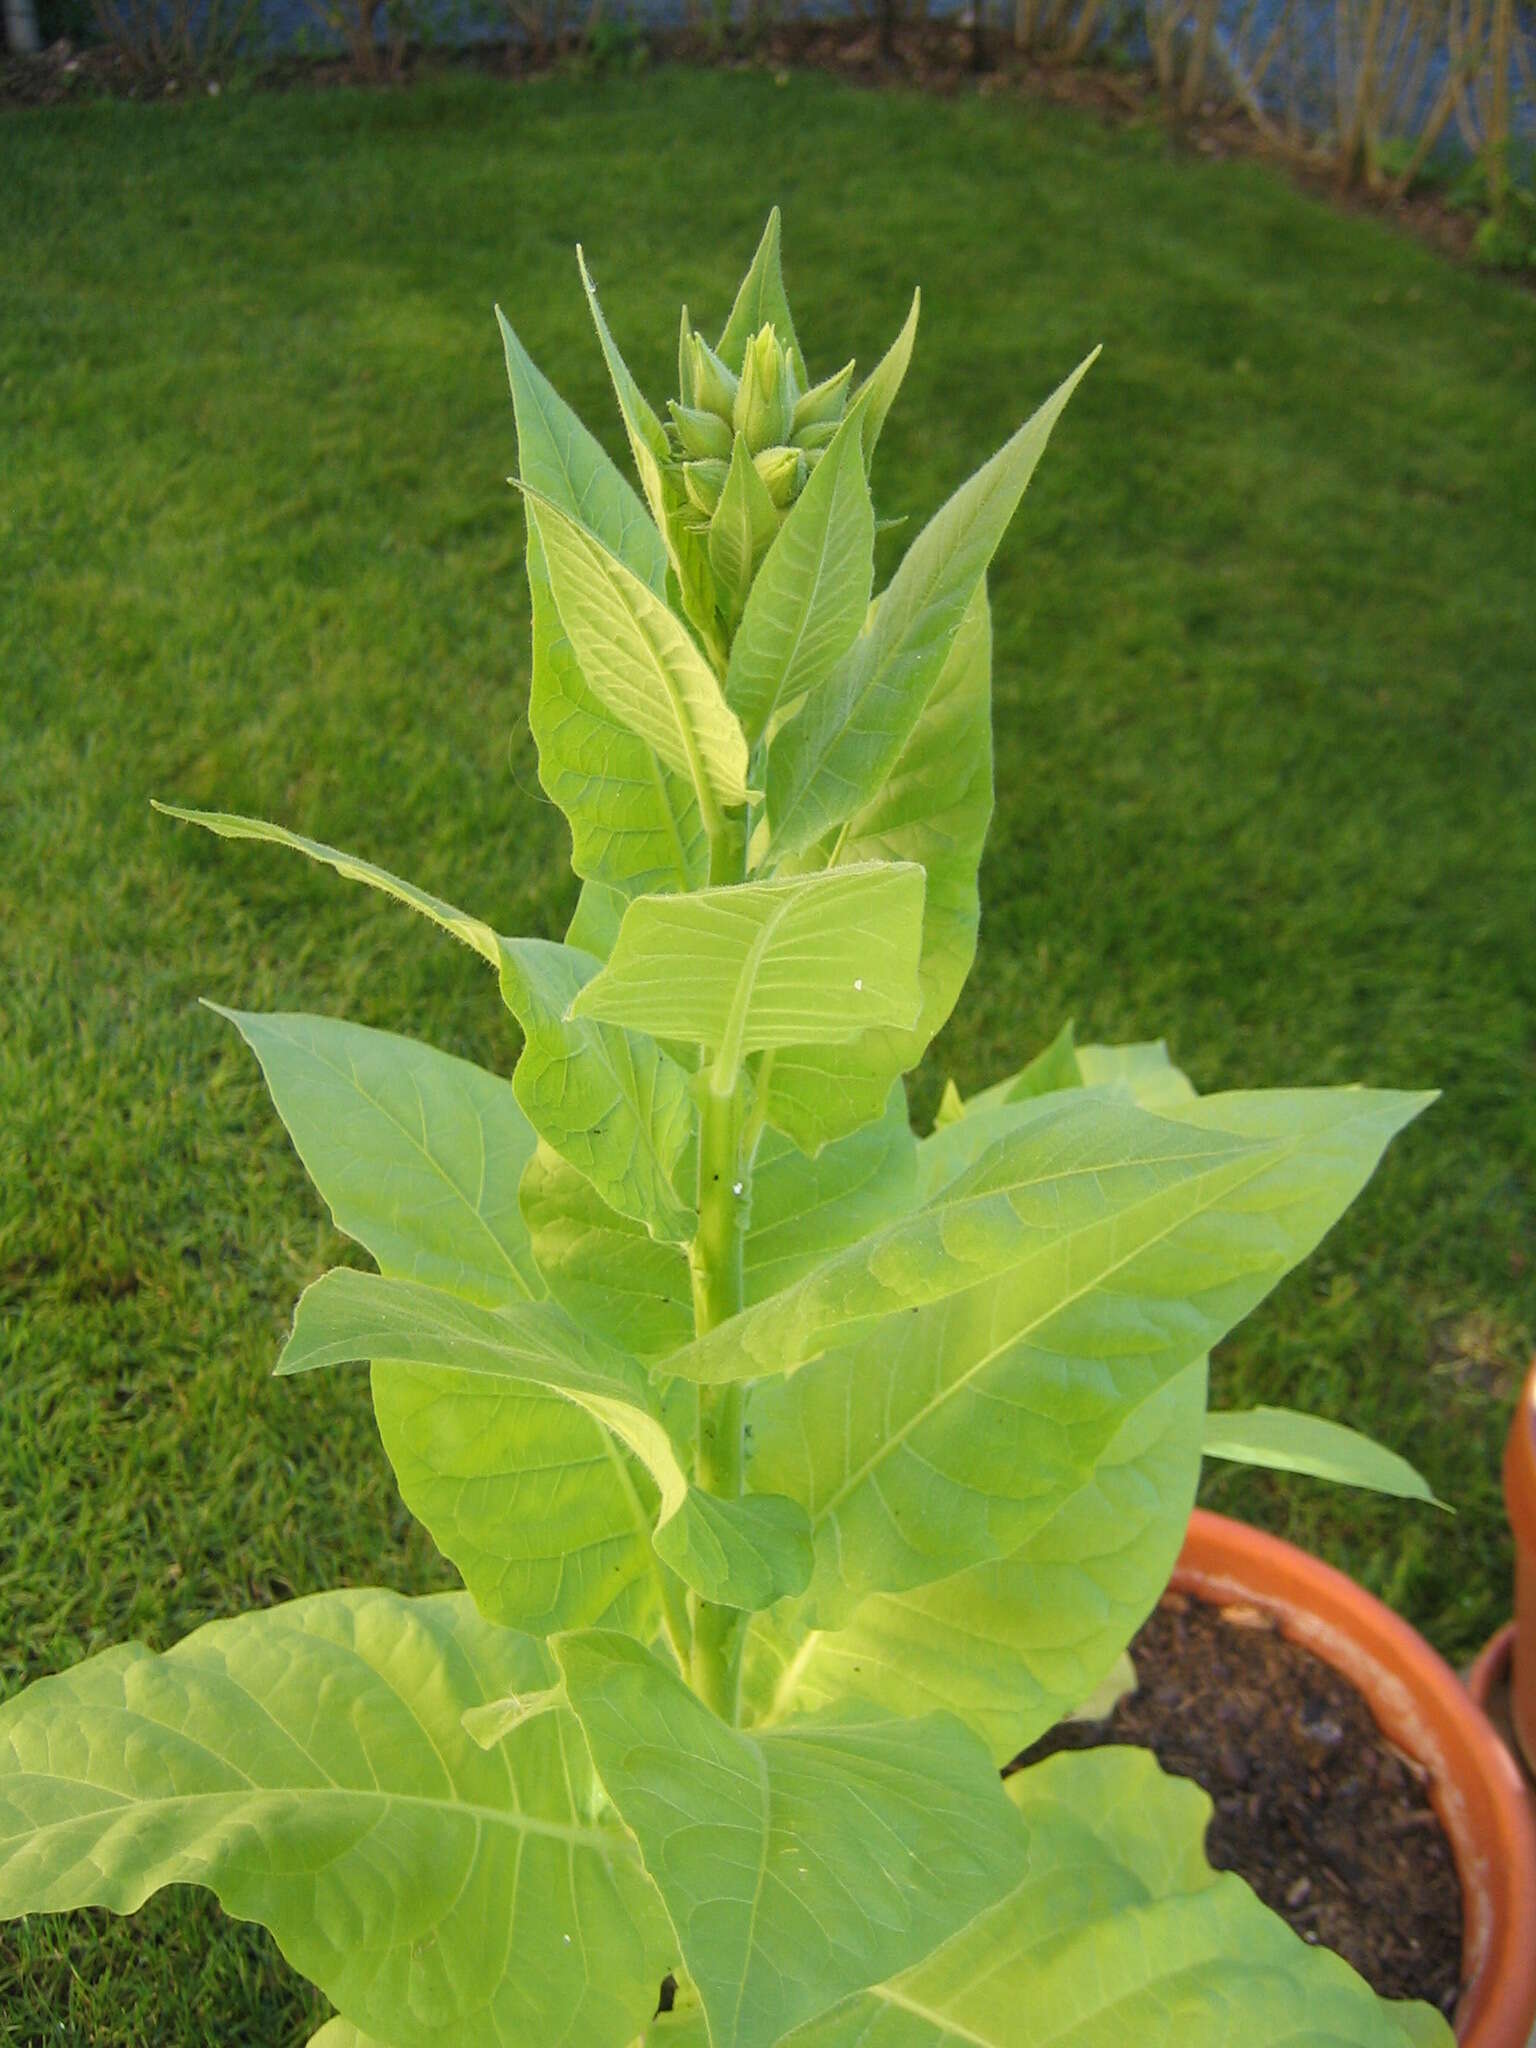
1329, 1823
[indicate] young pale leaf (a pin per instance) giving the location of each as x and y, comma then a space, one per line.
639, 660
1014, 1645
943, 1437
831, 760
1144, 1072
745, 1552
810, 598
934, 808
611, 1102
879, 389
372, 1836
761, 300
417, 1155
562, 461
795, 1864
1283, 1441
1119, 1932
633, 821
342, 2034
741, 526
227, 825
647, 436
805, 961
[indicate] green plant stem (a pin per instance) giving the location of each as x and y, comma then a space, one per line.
718, 1294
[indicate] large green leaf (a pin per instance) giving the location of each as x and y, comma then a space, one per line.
1084, 1173
1283, 1441
1013, 1645
797, 961
811, 595
635, 1290
949, 1430
831, 760
745, 1552
934, 808
1120, 1933
418, 1155
308, 1764
761, 301
804, 1209
605, 1269
227, 825
608, 1100
794, 1864
639, 660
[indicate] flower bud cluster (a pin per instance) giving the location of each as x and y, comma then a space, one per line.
759, 425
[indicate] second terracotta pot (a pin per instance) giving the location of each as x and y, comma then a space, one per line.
1421, 1705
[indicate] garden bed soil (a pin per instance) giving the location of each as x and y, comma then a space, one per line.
1325, 1818
940, 56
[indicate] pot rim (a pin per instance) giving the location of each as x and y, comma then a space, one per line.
1419, 1704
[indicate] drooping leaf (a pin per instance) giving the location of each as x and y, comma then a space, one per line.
638, 659
1120, 1932
562, 461
795, 1863
227, 825
608, 1100
307, 1764
799, 961
830, 761
1283, 1441
948, 1432
1014, 1645
879, 389
761, 300
811, 595
745, 1552
417, 1155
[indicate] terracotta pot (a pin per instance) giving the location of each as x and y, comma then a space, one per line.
1421, 1705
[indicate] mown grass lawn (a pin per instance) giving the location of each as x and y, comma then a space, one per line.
1266, 767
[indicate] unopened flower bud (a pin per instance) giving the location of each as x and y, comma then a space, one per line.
711, 386
700, 433
765, 397
783, 471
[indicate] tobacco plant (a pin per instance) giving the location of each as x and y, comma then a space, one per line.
799, 1471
